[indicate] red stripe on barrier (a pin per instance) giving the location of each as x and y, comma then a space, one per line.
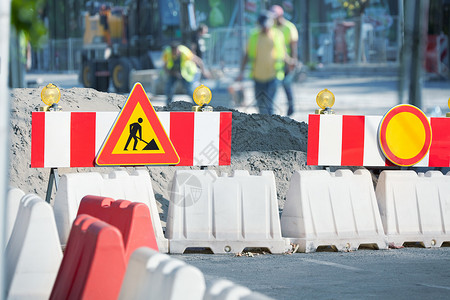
182, 136
313, 140
37, 139
439, 155
352, 141
82, 139
225, 139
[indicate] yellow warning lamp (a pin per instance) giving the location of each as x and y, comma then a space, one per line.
448, 114
325, 99
50, 95
202, 96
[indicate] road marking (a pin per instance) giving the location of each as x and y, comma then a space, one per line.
327, 263
435, 286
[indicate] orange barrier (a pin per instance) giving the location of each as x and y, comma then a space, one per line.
131, 218
93, 265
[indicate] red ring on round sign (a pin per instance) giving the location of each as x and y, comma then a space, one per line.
382, 138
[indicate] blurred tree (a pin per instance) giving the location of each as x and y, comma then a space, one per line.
355, 9
26, 19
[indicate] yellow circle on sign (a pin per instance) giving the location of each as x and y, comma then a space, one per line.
405, 135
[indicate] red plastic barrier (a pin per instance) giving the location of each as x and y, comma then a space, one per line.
131, 218
93, 265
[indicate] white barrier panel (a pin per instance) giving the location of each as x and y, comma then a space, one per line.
33, 253
152, 275
223, 289
225, 214
338, 209
13, 203
136, 187
415, 207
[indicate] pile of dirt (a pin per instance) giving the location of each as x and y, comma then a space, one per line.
259, 142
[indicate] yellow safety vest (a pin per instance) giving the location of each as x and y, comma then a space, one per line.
280, 50
188, 68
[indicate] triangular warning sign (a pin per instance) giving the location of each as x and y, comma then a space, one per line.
137, 137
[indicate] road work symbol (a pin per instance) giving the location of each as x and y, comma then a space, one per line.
135, 129
137, 137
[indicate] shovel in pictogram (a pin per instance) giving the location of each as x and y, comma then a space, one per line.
150, 146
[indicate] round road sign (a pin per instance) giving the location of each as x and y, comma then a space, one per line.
404, 135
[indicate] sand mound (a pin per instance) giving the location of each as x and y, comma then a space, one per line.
259, 142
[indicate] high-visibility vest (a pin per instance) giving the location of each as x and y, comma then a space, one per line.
188, 68
280, 50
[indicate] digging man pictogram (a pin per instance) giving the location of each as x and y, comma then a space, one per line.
136, 128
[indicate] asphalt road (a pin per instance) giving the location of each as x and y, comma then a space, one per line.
408, 273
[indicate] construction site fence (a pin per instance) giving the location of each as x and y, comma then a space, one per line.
332, 42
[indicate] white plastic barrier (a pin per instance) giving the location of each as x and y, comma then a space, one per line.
415, 207
223, 289
225, 214
13, 200
136, 187
152, 275
338, 209
33, 253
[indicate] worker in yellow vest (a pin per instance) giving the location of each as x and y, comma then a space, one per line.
290, 34
180, 64
266, 53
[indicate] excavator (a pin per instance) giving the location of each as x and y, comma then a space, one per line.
118, 39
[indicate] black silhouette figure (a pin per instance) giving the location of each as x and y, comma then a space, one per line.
135, 128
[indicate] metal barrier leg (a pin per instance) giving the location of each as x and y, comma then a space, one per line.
53, 177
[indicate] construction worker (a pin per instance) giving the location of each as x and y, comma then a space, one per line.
104, 11
266, 53
180, 64
290, 34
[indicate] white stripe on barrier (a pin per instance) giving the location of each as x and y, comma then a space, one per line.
415, 207
330, 140
338, 209
57, 142
164, 118
103, 123
372, 153
225, 214
206, 151
136, 187
33, 253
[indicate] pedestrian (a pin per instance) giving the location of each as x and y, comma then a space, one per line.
266, 53
290, 34
198, 45
180, 64
104, 11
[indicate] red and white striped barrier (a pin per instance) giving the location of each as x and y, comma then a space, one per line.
73, 139
335, 140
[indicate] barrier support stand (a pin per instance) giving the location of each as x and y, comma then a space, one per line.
53, 177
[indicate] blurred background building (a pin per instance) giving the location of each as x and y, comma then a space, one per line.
332, 32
